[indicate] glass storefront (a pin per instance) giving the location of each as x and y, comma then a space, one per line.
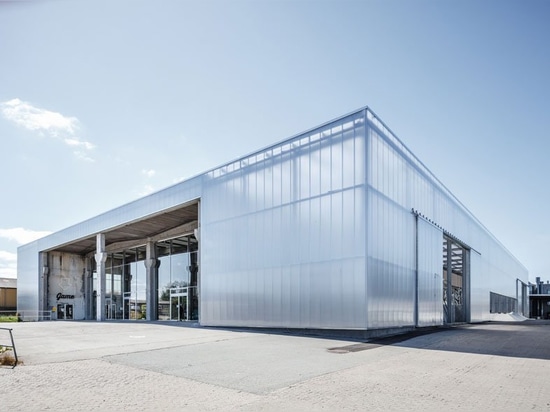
178, 279
135, 284
113, 287
125, 276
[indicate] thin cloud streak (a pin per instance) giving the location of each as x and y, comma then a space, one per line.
83, 156
8, 264
36, 119
148, 172
8, 256
147, 190
22, 236
47, 123
80, 143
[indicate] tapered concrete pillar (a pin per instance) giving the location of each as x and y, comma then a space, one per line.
43, 285
100, 259
88, 288
152, 271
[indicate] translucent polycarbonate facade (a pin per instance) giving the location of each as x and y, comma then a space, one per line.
430, 279
340, 227
323, 235
28, 279
283, 233
398, 183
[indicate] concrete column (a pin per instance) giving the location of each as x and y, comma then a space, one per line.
152, 271
43, 284
100, 258
88, 289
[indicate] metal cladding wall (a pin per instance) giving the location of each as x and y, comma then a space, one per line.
28, 280
316, 232
430, 279
398, 183
283, 234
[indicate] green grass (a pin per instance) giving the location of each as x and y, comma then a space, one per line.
8, 318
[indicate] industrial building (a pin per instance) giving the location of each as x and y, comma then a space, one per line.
539, 299
341, 227
8, 295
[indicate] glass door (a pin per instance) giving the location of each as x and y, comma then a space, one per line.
178, 297
179, 304
108, 309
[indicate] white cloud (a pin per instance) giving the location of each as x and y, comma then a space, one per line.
83, 156
80, 143
148, 189
47, 123
8, 264
34, 118
8, 256
148, 172
21, 235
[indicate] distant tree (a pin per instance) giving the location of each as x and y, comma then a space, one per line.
165, 295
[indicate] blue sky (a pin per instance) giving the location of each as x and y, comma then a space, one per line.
104, 101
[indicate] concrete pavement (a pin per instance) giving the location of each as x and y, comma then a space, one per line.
169, 366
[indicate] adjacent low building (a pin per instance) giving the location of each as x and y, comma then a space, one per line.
539, 299
8, 295
339, 227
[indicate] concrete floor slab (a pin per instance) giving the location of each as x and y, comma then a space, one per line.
156, 366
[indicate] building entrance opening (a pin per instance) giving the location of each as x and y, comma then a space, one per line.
178, 279
455, 281
124, 285
183, 303
110, 309
178, 304
64, 311
126, 281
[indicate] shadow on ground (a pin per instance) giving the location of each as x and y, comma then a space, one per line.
527, 339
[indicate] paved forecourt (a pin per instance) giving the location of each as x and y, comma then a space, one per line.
167, 366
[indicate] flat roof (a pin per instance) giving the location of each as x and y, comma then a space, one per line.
8, 283
136, 231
